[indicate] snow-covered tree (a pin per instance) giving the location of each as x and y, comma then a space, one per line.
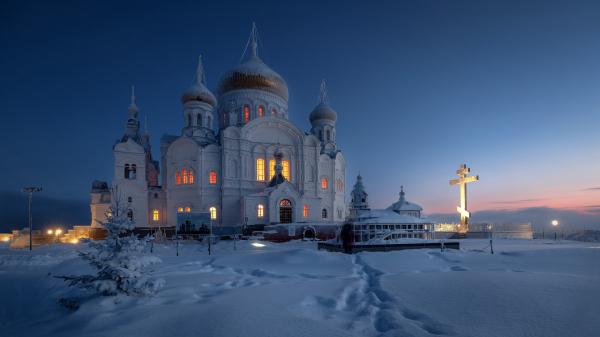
120, 260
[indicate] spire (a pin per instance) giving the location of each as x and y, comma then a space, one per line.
133, 109
401, 194
252, 43
200, 76
359, 195
323, 92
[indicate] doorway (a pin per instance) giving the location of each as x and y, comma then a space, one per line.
285, 211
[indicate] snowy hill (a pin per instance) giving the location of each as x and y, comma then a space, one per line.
528, 288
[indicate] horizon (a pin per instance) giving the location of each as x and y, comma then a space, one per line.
419, 89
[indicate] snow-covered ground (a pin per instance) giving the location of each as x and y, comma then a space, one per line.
528, 288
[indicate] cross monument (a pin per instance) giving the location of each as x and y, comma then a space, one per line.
462, 181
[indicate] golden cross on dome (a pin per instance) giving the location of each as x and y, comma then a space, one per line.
462, 181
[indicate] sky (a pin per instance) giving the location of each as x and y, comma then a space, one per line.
511, 88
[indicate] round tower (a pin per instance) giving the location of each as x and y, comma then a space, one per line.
198, 106
322, 120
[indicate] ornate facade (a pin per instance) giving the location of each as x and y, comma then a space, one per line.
238, 157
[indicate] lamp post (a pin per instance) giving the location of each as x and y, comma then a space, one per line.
555, 224
30, 191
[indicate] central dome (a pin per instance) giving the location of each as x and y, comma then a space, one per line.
253, 73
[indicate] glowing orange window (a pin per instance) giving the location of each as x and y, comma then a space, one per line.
246, 114
324, 183
305, 211
184, 174
177, 178
191, 176
261, 111
212, 177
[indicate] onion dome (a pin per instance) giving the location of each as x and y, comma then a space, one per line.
323, 110
253, 73
198, 92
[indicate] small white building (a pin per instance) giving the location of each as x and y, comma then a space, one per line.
400, 221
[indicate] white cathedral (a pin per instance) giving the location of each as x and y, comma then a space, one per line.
238, 157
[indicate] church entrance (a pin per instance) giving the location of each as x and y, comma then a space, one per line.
285, 211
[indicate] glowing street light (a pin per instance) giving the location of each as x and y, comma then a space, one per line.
258, 244
50, 232
555, 224
30, 191
58, 231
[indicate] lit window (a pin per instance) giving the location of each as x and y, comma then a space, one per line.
324, 213
212, 177
177, 178
285, 203
260, 211
261, 111
155, 215
260, 169
305, 211
213, 213
184, 174
271, 168
246, 114
179, 209
324, 183
188, 209
191, 176
286, 169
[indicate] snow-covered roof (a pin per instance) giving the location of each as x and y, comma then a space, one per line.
386, 216
403, 205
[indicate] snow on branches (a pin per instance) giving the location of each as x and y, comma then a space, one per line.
120, 261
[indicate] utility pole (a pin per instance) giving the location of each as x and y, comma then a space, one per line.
30, 191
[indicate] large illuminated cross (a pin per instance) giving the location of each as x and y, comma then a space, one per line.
462, 181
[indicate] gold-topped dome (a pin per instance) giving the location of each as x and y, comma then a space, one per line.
253, 73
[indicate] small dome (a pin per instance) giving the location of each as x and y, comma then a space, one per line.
198, 92
253, 73
323, 111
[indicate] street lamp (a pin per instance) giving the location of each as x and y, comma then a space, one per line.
30, 191
554, 224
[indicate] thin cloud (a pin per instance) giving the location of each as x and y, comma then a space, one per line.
591, 189
511, 202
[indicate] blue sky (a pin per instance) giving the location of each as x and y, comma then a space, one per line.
509, 87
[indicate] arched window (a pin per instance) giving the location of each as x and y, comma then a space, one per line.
305, 211
179, 209
191, 176
184, 174
177, 178
155, 215
212, 177
324, 183
126, 172
130, 215
246, 114
213, 213
133, 172
129, 199
286, 169
274, 111
271, 168
324, 213
328, 134
285, 203
224, 118
260, 210
199, 120
321, 134
260, 169
188, 209
261, 111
